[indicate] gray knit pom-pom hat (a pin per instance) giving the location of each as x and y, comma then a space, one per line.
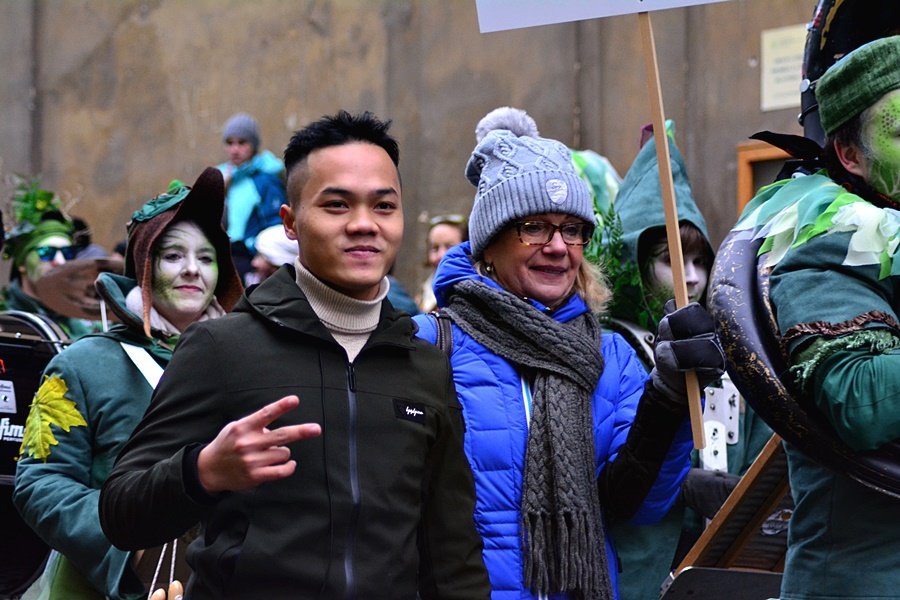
244, 127
518, 174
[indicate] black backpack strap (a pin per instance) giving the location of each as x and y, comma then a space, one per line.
444, 339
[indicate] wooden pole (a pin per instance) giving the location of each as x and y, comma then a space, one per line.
671, 211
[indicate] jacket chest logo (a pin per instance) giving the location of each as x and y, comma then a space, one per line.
409, 411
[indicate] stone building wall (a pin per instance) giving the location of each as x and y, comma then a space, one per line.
108, 101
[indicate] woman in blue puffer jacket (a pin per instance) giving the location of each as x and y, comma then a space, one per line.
564, 429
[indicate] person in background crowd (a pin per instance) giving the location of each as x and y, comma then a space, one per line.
84, 245
119, 250
178, 271
40, 241
634, 254
831, 240
565, 431
254, 180
316, 439
273, 249
444, 232
399, 297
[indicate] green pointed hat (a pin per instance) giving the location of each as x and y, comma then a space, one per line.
637, 210
639, 202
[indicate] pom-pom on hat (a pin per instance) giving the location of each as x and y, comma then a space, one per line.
203, 204
518, 174
857, 81
244, 127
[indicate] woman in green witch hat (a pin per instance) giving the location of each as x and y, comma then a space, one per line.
178, 271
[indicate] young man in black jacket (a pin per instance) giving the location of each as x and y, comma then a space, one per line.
353, 484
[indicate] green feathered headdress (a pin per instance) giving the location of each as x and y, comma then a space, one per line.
38, 215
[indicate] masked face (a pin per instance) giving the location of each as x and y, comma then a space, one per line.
881, 138
696, 273
185, 273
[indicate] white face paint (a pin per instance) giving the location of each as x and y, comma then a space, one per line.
696, 273
185, 273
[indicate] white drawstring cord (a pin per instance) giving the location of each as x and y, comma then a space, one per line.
162, 557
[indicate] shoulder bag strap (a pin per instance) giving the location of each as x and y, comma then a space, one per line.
148, 367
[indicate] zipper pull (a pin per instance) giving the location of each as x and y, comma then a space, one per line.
351, 377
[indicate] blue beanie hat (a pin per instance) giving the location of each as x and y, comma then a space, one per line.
518, 174
242, 126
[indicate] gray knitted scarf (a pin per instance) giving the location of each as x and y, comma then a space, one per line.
562, 531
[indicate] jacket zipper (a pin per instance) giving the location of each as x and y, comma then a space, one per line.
354, 482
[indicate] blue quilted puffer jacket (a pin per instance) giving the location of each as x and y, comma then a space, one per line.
496, 415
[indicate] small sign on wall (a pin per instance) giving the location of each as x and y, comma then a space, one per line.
782, 67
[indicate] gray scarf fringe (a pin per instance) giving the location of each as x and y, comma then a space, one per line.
563, 540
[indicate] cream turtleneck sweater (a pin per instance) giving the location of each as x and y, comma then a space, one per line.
349, 320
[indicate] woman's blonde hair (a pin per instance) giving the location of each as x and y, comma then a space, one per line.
591, 285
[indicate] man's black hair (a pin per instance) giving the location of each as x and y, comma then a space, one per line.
342, 128
848, 134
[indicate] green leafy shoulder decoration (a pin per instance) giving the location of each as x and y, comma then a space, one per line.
789, 213
630, 302
49, 407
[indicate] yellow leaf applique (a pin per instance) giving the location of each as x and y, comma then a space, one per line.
50, 406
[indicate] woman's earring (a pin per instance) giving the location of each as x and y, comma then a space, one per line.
489, 268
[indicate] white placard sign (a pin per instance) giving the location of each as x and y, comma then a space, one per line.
498, 15
782, 67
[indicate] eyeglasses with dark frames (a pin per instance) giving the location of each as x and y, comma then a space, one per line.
539, 233
47, 253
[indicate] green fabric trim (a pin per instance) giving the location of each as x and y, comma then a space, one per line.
160, 204
825, 221
789, 213
876, 340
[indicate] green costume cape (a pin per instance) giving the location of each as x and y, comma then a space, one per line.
834, 286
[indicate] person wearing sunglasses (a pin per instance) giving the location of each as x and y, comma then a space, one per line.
565, 430
41, 241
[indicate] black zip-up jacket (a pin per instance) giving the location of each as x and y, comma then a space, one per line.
380, 506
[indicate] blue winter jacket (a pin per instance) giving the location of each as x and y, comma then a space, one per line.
254, 197
496, 416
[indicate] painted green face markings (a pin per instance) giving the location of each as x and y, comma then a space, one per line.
881, 136
185, 273
35, 268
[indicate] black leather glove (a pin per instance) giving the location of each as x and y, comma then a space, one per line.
706, 491
686, 341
